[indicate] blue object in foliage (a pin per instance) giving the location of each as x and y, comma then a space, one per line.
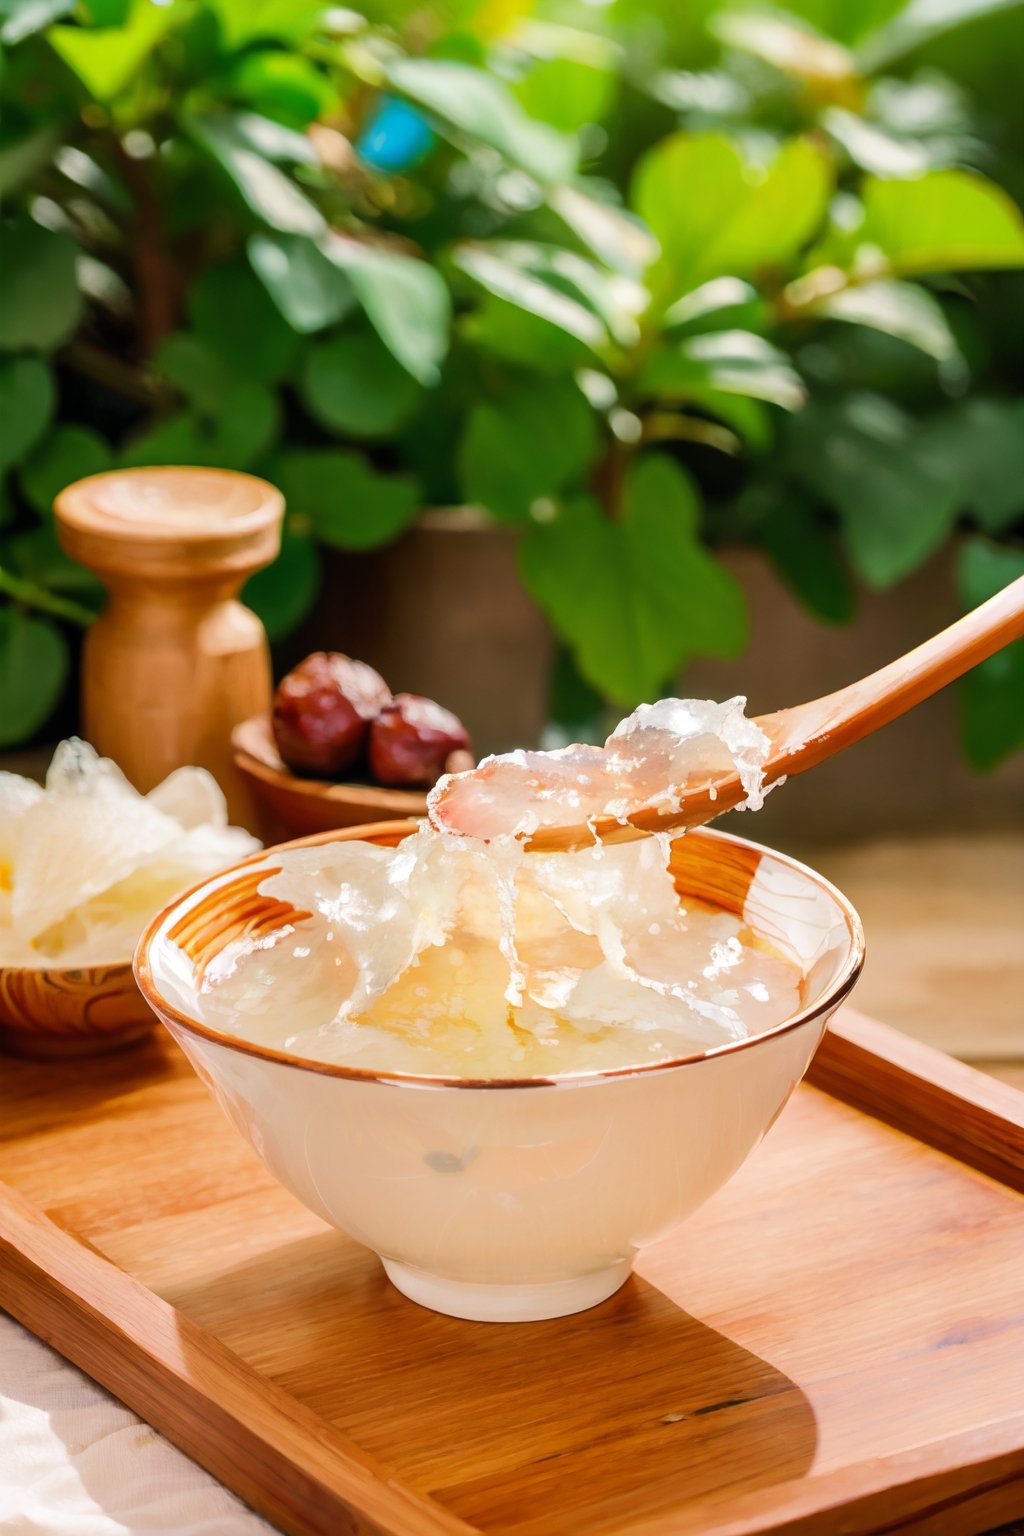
396, 137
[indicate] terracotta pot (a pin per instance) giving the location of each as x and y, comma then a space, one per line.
443, 613
911, 776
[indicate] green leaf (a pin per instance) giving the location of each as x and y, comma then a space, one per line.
285, 21
899, 309
724, 303
638, 597
715, 212
405, 301
983, 569
244, 429
68, 454
309, 290
575, 707
863, 456
86, 173
539, 278
196, 370
992, 695
685, 188
267, 137
236, 318
943, 222
107, 59
37, 556
787, 44
527, 447
616, 237
248, 425
746, 416
567, 93
352, 384
513, 334
872, 147
33, 671
343, 499
27, 399
283, 85
538, 39
21, 18
481, 106
107, 13
929, 112
40, 304
242, 152
283, 593
509, 281
917, 23
549, 309
805, 552
980, 443
24, 155
732, 362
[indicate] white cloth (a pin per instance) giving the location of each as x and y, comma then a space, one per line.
75, 1462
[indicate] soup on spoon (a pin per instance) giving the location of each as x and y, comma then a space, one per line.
647, 763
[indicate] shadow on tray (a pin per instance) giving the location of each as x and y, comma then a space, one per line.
542, 1425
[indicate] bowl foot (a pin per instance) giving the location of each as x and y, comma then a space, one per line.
507, 1303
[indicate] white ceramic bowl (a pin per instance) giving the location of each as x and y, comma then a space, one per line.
511, 1200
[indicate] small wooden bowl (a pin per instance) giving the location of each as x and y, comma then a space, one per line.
293, 807
61, 1011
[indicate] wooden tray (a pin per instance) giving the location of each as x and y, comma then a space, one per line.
835, 1344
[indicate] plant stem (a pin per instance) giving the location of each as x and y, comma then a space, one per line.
34, 596
799, 299
114, 373
155, 277
671, 426
609, 475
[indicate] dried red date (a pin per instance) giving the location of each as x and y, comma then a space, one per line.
411, 740
322, 712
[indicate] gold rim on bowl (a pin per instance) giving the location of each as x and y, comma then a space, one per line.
392, 832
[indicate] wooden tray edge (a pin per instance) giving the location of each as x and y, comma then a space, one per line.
932, 1097
977, 1474
169, 1370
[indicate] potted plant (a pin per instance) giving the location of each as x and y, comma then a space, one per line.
636, 312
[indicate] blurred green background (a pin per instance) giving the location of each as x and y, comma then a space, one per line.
643, 281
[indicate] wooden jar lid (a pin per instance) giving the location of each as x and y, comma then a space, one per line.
171, 521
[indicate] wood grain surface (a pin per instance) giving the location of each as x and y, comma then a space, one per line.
939, 1100
834, 1345
50, 1011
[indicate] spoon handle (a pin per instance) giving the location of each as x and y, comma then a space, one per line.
811, 732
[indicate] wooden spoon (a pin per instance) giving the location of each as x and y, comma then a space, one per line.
809, 733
